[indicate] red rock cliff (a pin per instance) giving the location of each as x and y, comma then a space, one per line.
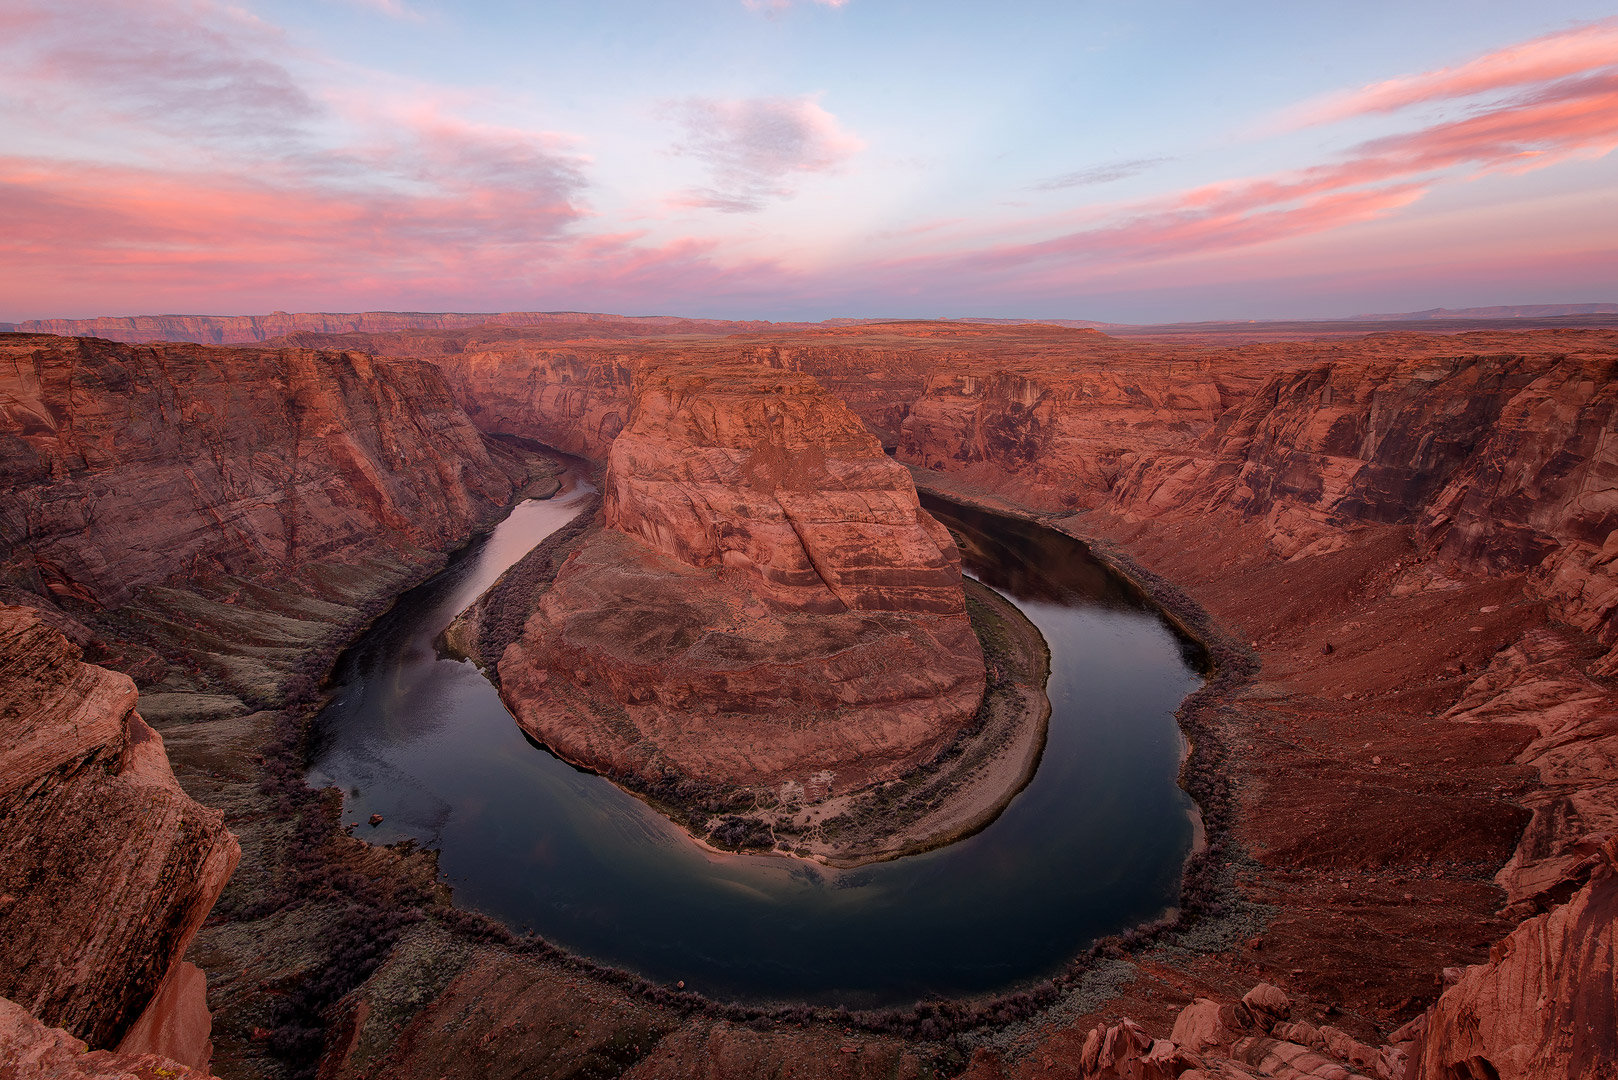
126, 465
771, 477
107, 868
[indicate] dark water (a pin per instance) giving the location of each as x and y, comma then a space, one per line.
1093, 845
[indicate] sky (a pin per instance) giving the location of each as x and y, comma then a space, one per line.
804, 159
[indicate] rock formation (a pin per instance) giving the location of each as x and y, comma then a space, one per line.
1410, 532
30, 1050
1545, 1006
107, 868
768, 602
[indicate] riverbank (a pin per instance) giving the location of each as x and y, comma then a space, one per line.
1330, 684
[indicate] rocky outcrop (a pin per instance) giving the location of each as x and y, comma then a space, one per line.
107, 868
1539, 681
1545, 1006
768, 603
1240, 1040
772, 478
30, 1050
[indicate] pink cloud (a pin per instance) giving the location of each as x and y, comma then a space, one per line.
202, 70
1543, 59
782, 5
754, 147
1573, 117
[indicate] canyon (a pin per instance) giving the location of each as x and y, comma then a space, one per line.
1395, 548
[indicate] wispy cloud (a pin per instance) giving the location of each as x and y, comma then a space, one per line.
756, 148
782, 5
1566, 53
1099, 174
392, 8
197, 69
1573, 117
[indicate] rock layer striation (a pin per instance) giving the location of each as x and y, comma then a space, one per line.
107, 868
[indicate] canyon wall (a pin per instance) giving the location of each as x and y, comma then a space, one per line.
126, 465
1498, 449
107, 868
768, 602
217, 523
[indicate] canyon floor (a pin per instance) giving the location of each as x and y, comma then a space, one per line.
1394, 547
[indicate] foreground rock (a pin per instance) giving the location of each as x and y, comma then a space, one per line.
107, 868
1545, 1006
30, 1050
769, 606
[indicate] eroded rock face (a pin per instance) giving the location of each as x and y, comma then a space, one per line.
771, 477
1545, 1006
129, 465
769, 601
107, 868
30, 1050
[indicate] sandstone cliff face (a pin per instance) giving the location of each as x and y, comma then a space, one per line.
773, 478
1545, 1006
125, 466
107, 868
572, 399
768, 603
1498, 448
1539, 681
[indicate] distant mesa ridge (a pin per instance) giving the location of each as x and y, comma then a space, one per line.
1509, 311
248, 329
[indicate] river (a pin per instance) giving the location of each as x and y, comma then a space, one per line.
1092, 846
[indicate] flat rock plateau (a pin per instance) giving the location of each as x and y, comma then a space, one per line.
1398, 548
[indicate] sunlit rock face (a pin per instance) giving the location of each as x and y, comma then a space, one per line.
768, 602
771, 477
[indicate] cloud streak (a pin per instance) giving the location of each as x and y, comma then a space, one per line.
755, 149
1573, 117
1099, 174
1566, 53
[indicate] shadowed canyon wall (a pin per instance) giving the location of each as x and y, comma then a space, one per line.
216, 523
